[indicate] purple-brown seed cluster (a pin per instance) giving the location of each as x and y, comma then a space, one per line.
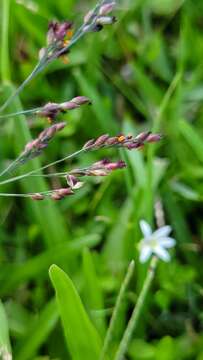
52, 110
128, 142
35, 147
100, 168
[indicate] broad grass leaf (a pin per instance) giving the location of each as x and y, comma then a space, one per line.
82, 338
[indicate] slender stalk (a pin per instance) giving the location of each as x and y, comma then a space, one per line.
23, 112
5, 71
166, 100
35, 71
42, 168
116, 310
27, 194
11, 166
44, 61
131, 326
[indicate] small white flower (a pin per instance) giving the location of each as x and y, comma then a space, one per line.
155, 242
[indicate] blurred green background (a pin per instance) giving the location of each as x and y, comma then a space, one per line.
143, 73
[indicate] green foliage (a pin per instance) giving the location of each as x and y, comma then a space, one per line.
144, 73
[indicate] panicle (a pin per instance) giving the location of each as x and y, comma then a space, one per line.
35, 147
52, 110
99, 168
95, 20
57, 31
58, 37
128, 141
57, 194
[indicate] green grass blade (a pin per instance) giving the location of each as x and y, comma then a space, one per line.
5, 347
38, 332
93, 291
82, 338
117, 309
193, 138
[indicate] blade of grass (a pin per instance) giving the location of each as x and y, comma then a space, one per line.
5, 347
192, 137
123, 346
116, 311
38, 332
82, 338
93, 291
5, 70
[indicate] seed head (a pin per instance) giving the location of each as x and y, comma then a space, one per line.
35, 147
121, 140
52, 110
99, 168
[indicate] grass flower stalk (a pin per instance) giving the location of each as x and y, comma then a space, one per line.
131, 326
60, 40
103, 141
116, 311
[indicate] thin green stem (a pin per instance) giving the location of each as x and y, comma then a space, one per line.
23, 112
131, 326
5, 70
42, 168
11, 166
165, 101
27, 194
152, 149
44, 61
116, 310
35, 71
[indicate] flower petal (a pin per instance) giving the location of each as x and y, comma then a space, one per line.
162, 232
162, 253
145, 254
146, 228
167, 242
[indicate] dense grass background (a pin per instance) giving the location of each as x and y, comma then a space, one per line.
144, 73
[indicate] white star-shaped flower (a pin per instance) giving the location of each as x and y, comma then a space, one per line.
155, 242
